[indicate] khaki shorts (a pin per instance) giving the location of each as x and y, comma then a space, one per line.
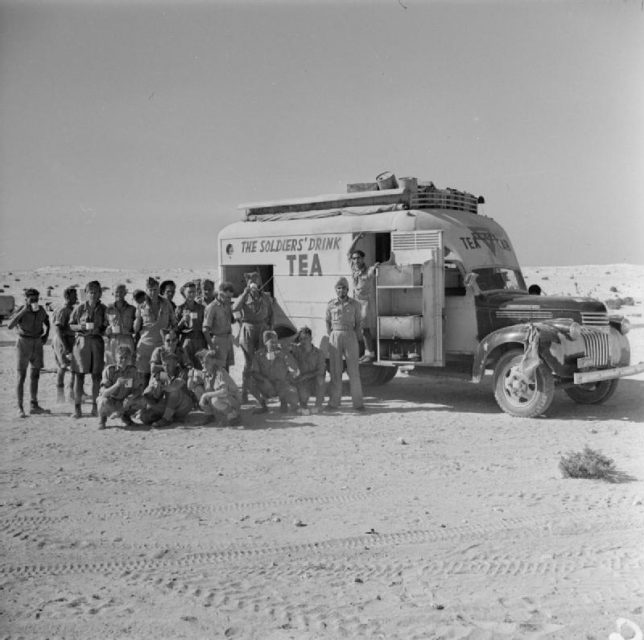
29, 351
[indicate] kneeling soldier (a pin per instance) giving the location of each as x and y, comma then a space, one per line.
218, 394
310, 362
121, 389
167, 396
270, 375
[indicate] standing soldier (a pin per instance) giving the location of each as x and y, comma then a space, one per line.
255, 309
153, 315
33, 330
207, 292
343, 319
120, 327
190, 321
88, 321
63, 343
312, 367
168, 289
364, 291
217, 324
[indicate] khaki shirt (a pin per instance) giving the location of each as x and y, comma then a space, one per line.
343, 315
364, 282
84, 313
112, 373
218, 318
32, 323
121, 320
311, 362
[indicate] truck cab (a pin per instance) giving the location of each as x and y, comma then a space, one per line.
450, 297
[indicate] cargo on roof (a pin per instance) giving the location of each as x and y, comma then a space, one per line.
405, 193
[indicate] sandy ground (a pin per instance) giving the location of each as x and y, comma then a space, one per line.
434, 515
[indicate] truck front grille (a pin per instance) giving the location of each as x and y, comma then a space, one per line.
597, 347
594, 318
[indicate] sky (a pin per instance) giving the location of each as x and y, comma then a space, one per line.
131, 131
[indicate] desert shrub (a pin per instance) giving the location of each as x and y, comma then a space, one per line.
545, 278
590, 464
613, 289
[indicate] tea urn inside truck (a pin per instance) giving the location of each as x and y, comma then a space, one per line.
450, 302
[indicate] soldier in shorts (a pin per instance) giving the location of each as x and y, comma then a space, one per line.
63, 343
218, 394
190, 316
364, 292
167, 396
312, 366
88, 321
154, 315
33, 330
271, 375
121, 389
217, 324
120, 327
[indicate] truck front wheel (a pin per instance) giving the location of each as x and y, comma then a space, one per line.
521, 395
593, 392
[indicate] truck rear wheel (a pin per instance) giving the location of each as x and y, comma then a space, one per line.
593, 392
520, 395
372, 376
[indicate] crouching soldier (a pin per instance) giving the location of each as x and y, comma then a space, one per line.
167, 396
311, 364
121, 389
270, 375
218, 394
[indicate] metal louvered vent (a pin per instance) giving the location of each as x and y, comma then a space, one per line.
415, 247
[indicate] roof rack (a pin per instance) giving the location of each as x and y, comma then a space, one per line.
408, 192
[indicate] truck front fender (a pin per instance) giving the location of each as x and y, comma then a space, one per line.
516, 336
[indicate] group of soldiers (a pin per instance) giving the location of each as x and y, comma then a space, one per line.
158, 361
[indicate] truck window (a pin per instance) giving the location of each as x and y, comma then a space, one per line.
499, 279
454, 285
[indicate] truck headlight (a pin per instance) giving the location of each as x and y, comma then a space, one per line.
625, 326
574, 330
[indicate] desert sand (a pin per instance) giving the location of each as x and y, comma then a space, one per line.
433, 515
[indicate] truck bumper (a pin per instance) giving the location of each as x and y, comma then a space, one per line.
608, 374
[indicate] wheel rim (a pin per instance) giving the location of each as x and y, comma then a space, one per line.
518, 388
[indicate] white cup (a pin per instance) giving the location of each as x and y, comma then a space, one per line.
193, 315
128, 383
89, 326
116, 328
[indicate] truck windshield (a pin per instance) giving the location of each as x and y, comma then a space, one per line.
499, 279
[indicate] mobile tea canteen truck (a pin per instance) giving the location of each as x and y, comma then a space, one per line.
451, 300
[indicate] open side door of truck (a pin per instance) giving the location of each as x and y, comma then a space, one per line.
410, 298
